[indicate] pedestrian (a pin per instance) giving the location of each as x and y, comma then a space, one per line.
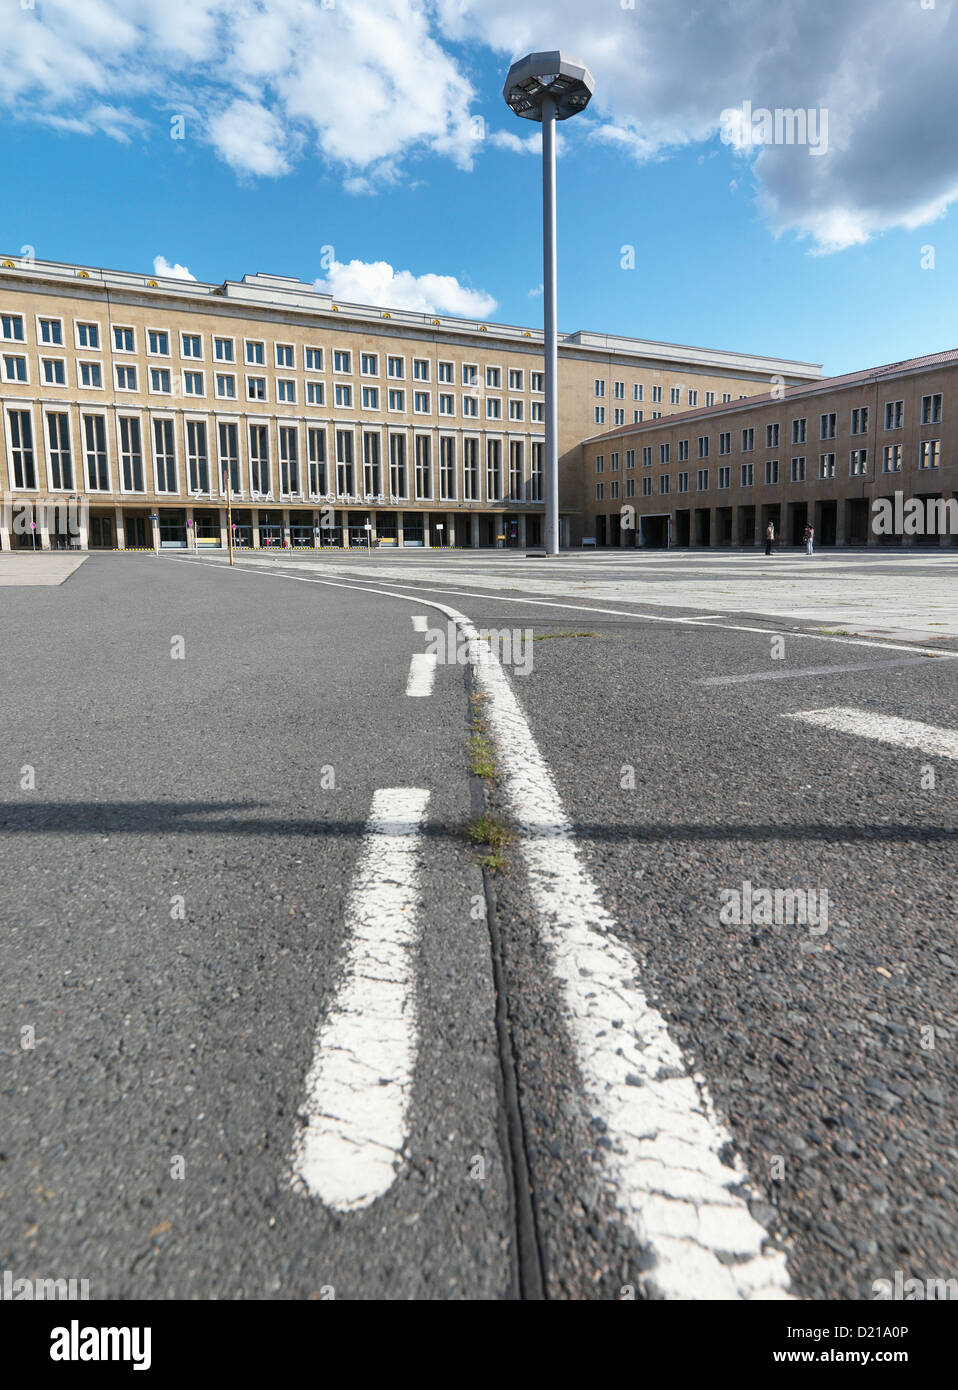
809, 539
769, 537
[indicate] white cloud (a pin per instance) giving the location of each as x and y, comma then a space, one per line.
250, 138
161, 266
376, 282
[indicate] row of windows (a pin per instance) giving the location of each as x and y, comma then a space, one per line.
929, 456
286, 390
356, 467
675, 393
88, 336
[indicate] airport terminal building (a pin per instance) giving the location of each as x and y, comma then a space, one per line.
147, 403
820, 453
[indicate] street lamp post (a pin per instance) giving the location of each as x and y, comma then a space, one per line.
549, 87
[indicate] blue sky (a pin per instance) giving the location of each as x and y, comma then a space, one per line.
772, 250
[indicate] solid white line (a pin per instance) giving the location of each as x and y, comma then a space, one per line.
903, 733
359, 1085
422, 673
794, 672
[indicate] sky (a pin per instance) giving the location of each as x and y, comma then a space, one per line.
363, 145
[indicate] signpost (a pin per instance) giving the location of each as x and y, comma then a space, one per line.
154, 516
369, 536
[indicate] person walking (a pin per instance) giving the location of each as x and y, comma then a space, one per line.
769, 537
809, 539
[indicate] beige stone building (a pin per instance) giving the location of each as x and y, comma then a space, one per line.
822, 453
143, 405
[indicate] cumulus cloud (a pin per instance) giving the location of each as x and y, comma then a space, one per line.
161, 266
376, 282
250, 138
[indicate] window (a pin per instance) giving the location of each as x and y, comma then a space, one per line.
54, 371
316, 460
614, 491
51, 332
702, 480
344, 463
646, 487
726, 397
157, 343
600, 463
123, 340
398, 482
613, 462
748, 440
286, 390
342, 361
630, 486
725, 476
694, 398
515, 410
725, 442
860, 420
931, 409
618, 390
126, 378
88, 335
94, 440
891, 458
316, 394
798, 470
421, 402
493, 408
371, 481
396, 368
197, 458
858, 462
260, 482
370, 396
131, 455
288, 460
630, 458
12, 325
663, 453
771, 471
61, 459
343, 394
470, 470
256, 354
314, 359
256, 388
493, 470
14, 368
894, 415
656, 394
423, 450
798, 430
599, 491
663, 484
675, 395
826, 465
771, 436
223, 352
194, 385
447, 403
191, 345
599, 387
164, 455
703, 446
226, 386
537, 412
285, 355
160, 380
600, 415
369, 364
515, 470
682, 482
647, 456
747, 474
494, 377
228, 435
515, 379
535, 477
656, 415
447, 373
710, 398
828, 425
637, 392
397, 399
929, 453
537, 381
420, 369
21, 449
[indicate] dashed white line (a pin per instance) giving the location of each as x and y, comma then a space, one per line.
903, 733
795, 672
422, 674
360, 1082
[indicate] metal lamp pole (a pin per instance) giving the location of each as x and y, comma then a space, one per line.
549, 87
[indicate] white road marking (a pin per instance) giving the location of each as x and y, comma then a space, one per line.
422, 673
903, 733
795, 672
360, 1082
420, 622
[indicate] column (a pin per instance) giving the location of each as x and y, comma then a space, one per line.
474, 537
83, 537
224, 534
399, 531
287, 537
426, 539
344, 528
450, 529
154, 527
254, 517
522, 530
714, 528
43, 526
120, 534
840, 528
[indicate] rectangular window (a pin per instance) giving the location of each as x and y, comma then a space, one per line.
537, 381
725, 476
470, 470
663, 484
164, 455
51, 332
256, 388
493, 408
683, 450
694, 398
656, 395
61, 459
771, 436
630, 486
88, 336
447, 467
420, 402
191, 345
798, 470
345, 479
638, 392
931, 409
494, 377
747, 474
196, 456
702, 480
891, 458
94, 440
447, 373
515, 410
675, 395
126, 378
748, 440
256, 354
12, 325
226, 386
286, 390
314, 359
194, 385
515, 379
600, 415
447, 403
828, 425
860, 420
858, 462
630, 458
228, 435
537, 411
423, 446
260, 480
798, 430
396, 368
599, 491
316, 453
614, 491
826, 465
316, 393
123, 340
223, 349
398, 480
21, 449
157, 343
613, 462
535, 477
599, 463
682, 482
285, 355
663, 453
91, 375
771, 471
646, 487
160, 380
420, 369
396, 399
725, 442
618, 416
288, 460
703, 446
54, 371
372, 483
929, 453
343, 394
131, 455
369, 363
515, 470
370, 396
14, 368
894, 415
342, 360
647, 456
493, 470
